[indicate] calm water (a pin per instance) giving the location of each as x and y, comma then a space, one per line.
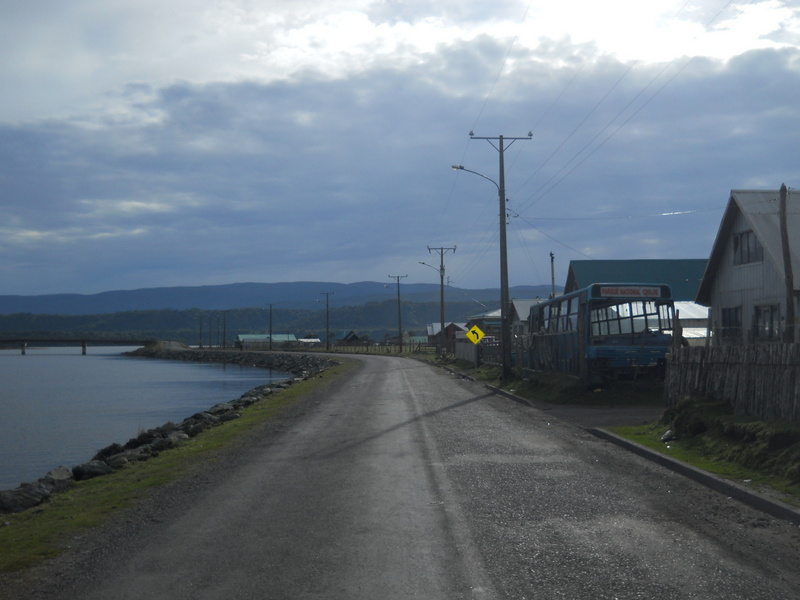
58, 407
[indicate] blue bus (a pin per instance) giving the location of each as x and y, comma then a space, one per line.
605, 330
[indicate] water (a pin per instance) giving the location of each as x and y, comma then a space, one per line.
59, 407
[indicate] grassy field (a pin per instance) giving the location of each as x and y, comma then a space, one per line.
44, 531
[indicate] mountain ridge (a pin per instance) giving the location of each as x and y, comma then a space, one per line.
301, 295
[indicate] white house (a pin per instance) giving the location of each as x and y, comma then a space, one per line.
744, 283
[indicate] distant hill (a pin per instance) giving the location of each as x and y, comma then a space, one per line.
306, 295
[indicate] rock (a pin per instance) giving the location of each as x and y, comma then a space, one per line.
220, 409
108, 451
90, 470
205, 417
177, 437
24, 497
58, 479
229, 417
668, 436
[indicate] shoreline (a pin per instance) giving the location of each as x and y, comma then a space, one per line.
149, 443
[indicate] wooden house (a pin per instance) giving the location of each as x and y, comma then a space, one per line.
451, 331
747, 281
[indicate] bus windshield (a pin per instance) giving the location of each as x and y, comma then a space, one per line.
628, 317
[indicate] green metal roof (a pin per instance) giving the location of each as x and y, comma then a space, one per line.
682, 275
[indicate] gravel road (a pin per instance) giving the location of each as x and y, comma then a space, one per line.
403, 481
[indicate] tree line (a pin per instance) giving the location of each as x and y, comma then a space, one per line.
376, 320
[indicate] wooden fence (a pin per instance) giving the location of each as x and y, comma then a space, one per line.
759, 380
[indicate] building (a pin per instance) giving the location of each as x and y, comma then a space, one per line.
450, 332
682, 275
745, 283
259, 341
518, 316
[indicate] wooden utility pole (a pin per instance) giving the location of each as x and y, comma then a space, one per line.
442, 350
788, 330
399, 312
505, 324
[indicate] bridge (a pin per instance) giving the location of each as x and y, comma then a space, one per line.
84, 342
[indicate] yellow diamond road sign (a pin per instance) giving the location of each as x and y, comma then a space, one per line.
475, 335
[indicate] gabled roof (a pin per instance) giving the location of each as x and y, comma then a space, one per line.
760, 208
523, 307
434, 328
489, 314
682, 275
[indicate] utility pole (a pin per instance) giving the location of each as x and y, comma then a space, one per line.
552, 275
442, 350
270, 326
505, 326
788, 332
399, 313
327, 320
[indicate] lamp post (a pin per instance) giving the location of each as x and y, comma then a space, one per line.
399, 312
505, 326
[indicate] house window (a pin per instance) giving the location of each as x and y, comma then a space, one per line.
767, 322
732, 323
746, 248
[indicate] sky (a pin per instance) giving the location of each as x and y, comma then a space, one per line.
146, 143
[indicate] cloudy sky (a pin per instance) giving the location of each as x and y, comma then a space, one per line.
146, 143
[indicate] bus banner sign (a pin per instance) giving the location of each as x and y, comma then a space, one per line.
630, 291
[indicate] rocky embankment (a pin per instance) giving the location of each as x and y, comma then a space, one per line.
299, 365
153, 441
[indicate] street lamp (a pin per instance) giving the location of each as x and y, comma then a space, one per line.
505, 326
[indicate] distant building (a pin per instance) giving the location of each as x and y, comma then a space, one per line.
450, 333
351, 338
259, 341
520, 310
744, 282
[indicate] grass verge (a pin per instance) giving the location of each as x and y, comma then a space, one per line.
706, 434
43, 532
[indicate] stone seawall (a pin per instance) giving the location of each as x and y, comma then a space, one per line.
153, 441
299, 365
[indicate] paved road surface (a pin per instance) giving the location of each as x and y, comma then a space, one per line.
403, 481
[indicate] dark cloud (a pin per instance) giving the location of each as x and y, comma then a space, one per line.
349, 179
